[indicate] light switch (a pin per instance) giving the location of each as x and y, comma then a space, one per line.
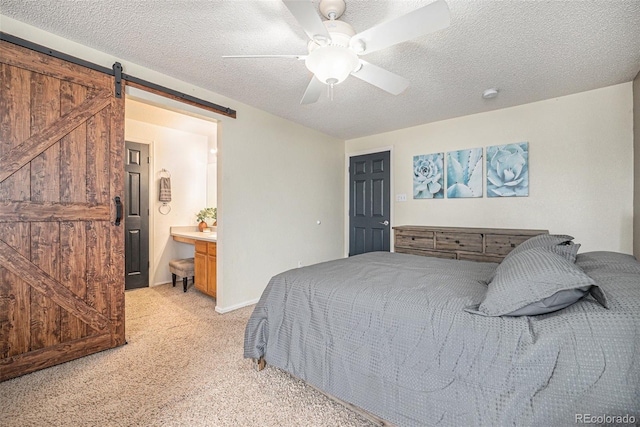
401, 197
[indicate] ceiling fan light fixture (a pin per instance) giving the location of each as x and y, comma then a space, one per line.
332, 64
334, 46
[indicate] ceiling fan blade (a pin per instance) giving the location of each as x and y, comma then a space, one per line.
313, 92
305, 13
300, 57
427, 19
379, 77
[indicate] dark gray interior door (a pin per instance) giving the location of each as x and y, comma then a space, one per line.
136, 218
369, 203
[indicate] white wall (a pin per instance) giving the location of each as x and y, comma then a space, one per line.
184, 155
278, 179
275, 179
580, 170
212, 185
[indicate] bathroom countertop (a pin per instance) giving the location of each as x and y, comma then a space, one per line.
192, 233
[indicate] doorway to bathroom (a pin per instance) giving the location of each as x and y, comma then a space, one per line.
182, 147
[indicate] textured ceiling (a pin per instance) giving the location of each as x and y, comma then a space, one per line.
530, 50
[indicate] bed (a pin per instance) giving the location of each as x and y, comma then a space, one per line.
403, 337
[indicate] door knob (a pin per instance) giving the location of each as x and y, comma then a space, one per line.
385, 222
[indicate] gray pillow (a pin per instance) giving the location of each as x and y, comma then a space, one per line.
560, 243
568, 250
534, 281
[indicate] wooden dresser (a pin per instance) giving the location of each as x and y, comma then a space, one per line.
473, 244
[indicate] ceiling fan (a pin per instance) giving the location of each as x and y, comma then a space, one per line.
334, 48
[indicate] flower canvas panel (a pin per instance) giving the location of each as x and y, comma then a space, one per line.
508, 170
464, 173
428, 176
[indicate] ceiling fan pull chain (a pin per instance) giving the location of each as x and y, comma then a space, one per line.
330, 84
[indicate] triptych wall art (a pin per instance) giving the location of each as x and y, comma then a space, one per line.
507, 173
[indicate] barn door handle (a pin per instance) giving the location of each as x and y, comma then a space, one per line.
118, 211
385, 222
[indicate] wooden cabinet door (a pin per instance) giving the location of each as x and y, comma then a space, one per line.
212, 276
200, 267
61, 257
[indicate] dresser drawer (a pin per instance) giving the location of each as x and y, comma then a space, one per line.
448, 255
479, 257
502, 244
414, 239
470, 242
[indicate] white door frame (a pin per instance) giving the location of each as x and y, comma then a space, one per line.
347, 192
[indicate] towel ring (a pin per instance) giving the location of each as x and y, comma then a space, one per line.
165, 173
164, 208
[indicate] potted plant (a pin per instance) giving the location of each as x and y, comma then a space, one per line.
204, 214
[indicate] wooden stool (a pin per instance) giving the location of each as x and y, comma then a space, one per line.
183, 268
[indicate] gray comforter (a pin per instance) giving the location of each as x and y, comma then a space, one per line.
388, 333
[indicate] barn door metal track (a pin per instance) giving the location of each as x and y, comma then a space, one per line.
116, 71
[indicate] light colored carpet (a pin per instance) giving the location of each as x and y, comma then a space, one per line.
182, 366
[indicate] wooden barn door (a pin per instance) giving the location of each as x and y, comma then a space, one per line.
61, 256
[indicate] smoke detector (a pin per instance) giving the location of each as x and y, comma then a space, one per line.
490, 93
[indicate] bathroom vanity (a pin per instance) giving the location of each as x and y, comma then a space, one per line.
204, 257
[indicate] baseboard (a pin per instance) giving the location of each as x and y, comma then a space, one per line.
237, 306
